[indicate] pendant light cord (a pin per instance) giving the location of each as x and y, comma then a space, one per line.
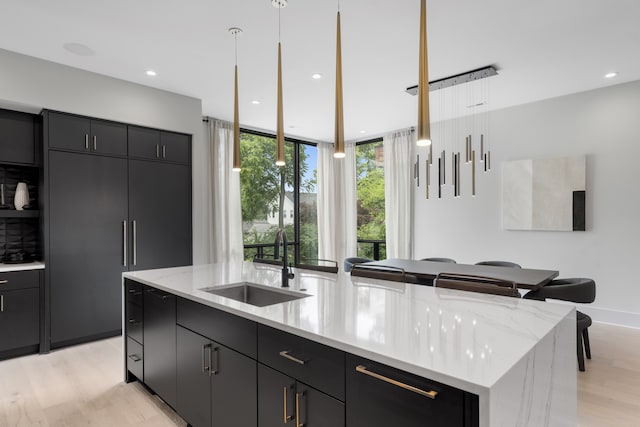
279, 37
236, 41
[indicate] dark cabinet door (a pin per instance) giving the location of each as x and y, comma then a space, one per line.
69, 132
17, 137
87, 212
234, 388
144, 143
19, 318
193, 401
276, 398
108, 138
175, 147
380, 400
160, 212
316, 409
160, 343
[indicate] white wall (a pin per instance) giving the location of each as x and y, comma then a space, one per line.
30, 84
602, 124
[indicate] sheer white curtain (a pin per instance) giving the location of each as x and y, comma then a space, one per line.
337, 222
398, 193
226, 218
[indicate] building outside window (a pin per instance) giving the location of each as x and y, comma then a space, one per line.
274, 197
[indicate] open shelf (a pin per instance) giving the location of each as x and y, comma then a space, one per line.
12, 213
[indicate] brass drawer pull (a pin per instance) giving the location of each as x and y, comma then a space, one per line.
286, 417
286, 355
298, 423
430, 394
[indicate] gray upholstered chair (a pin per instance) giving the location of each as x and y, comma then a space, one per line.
500, 264
350, 262
449, 260
573, 290
486, 285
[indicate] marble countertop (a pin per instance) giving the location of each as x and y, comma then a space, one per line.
35, 265
463, 339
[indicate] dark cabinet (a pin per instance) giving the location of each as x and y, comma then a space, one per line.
378, 395
106, 214
87, 215
19, 311
282, 399
69, 132
146, 143
216, 386
17, 137
160, 343
160, 214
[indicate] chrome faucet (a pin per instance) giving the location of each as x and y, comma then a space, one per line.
281, 237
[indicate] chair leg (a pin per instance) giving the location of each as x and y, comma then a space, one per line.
580, 353
585, 339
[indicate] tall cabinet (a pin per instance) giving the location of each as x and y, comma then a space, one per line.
111, 207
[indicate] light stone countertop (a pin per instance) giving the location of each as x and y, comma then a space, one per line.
467, 340
35, 265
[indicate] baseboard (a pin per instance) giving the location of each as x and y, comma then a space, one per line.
613, 317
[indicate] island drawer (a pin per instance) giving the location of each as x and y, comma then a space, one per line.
379, 395
227, 329
19, 280
312, 363
135, 319
135, 359
134, 292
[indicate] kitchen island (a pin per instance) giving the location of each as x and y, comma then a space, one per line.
456, 358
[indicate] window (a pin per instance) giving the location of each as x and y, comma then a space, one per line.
274, 197
370, 204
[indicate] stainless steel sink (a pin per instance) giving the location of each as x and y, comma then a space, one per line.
254, 294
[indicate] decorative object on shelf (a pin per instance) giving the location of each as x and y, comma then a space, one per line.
424, 124
280, 161
338, 145
21, 198
236, 115
3, 205
544, 194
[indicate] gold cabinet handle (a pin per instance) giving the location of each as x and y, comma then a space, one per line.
363, 370
298, 423
286, 418
286, 355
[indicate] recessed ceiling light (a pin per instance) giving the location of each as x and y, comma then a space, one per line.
363, 131
78, 49
255, 102
316, 76
610, 75
151, 73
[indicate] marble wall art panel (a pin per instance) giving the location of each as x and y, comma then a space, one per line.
544, 194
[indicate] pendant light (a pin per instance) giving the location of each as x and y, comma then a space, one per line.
236, 119
424, 125
339, 135
280, 161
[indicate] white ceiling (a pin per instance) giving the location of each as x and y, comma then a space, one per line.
542, 49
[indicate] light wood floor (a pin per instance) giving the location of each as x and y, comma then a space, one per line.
82, 386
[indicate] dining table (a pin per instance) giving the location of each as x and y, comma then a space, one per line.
426, 271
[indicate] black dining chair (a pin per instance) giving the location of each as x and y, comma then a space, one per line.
500, 264
574, 290
486, 285
351, 261
449, 260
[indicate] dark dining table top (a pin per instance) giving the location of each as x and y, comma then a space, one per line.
525, 278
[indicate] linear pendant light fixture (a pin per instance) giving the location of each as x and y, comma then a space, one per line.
280, 161
339, 135
424, 125
236, 116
